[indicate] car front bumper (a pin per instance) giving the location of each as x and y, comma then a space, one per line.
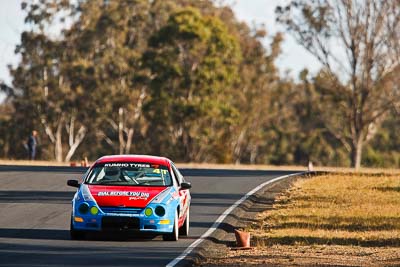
117, 222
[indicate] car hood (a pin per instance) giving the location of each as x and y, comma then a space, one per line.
124, 196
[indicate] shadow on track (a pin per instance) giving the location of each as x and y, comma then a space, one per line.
216, 196
53, 197
230, 172
58, 234
185, 171
18, 168
54, 234
81, 255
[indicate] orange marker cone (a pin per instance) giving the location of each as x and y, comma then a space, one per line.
242, 239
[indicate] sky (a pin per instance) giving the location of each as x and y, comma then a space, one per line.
11, 26
258, 12
294, 57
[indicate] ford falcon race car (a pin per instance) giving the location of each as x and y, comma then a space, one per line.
131, 193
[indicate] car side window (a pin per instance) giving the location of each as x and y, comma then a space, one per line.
178, 174
174, 177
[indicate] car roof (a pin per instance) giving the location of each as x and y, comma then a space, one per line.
134, 158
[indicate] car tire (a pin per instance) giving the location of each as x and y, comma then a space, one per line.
174, 236
184, 230
75, 234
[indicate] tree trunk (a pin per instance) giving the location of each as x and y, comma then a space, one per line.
238, 147
356, 153
129, 141
121, 131
185, 137
253, 154
58, 144
76, 141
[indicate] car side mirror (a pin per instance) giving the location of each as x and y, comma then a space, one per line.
73, 183
186, 185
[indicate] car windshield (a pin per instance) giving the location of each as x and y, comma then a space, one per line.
132, 174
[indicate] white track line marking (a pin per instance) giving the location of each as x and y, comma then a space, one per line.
222, 217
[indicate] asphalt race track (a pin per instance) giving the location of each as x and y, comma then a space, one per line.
35, 212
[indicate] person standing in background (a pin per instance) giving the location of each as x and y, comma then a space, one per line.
32, 144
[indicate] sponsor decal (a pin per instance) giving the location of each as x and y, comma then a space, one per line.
160, 171
132, 165
132, 195
87, 196
161, 196
174, 196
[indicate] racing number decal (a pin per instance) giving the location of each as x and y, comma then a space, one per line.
160, 171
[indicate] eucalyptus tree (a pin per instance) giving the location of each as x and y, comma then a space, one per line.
81, 78
108, 39
358, 44
42, 91
193, 62
183, 77
255, 96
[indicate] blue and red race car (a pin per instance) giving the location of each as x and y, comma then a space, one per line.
131, 192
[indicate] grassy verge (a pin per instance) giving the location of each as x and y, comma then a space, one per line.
340, 209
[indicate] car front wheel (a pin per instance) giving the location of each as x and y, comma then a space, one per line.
184, 230
75, 234
174, 236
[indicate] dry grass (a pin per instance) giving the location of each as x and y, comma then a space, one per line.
342, 209
315, 255
344, 219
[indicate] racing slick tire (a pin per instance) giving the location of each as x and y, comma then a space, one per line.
184, 230
75, 234
174, 236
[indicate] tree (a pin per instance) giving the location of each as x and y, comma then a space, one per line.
162, 77
193, 63
357, 43
6, 111
255, 95
42, 91
109, 40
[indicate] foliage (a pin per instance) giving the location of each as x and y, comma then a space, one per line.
185, 79
193, 63
358, 45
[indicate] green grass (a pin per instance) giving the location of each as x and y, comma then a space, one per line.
343, 209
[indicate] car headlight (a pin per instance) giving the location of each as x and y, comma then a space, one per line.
94, 210
160, 211
83, 208
148, 212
